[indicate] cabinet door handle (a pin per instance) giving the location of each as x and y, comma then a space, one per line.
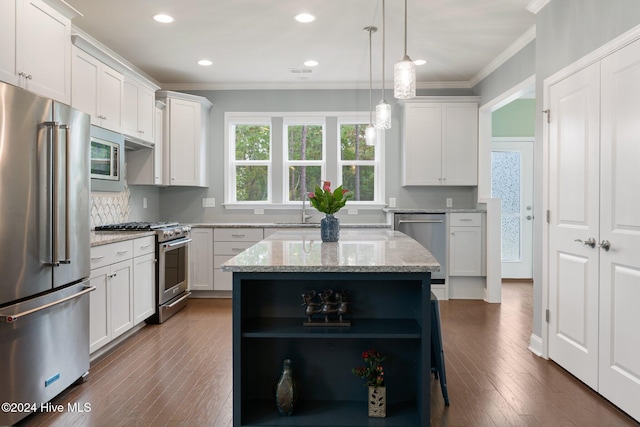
96, 258
237, 236
144, 246
122, 252
465, 219
605, 244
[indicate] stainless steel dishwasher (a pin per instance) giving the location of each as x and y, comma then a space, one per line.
429, 229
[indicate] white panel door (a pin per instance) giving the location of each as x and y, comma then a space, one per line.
574, 209
512, 182
620, 226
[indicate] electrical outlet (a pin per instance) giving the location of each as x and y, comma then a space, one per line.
392, 202
144, 203
258, 211
449, 202
209, 202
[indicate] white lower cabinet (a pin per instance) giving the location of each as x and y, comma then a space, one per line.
200, 259
467, 260
110, 307
227, 243
124, 276
465, 244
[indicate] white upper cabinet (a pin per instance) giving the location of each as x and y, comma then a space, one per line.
35, 46
8, 72
139, 110
440, 144
97, 90
186, 138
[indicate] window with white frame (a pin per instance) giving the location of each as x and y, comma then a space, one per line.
304, 152
273, 159
358, 165
250, 160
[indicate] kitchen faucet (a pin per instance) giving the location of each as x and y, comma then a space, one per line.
305, 217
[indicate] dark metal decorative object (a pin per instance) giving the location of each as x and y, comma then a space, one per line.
286, 390
326, 308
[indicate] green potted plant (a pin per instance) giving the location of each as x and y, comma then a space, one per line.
329, 202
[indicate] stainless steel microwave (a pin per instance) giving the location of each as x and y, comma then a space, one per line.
107, 160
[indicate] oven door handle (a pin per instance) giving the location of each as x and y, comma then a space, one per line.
176, 243
176, 302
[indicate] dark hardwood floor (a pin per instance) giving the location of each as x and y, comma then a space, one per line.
179, 374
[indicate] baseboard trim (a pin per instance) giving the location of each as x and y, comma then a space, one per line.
535, 345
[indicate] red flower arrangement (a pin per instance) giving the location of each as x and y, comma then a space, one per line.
373, 372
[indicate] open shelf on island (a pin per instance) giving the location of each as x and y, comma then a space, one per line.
360, 328
320, 413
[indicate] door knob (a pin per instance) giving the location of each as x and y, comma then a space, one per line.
605, 244
589, 242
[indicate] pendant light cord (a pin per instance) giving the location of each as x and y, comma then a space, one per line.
370, 80
383, 33
405, 27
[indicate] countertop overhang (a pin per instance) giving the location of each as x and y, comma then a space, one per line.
357, 251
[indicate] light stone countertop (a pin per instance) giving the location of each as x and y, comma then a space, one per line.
357, 251
480, 209
99, 238
309, 225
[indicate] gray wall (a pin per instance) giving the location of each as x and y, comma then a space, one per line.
185, 204
566, 30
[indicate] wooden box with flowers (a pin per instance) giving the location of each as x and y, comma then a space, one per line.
392, 317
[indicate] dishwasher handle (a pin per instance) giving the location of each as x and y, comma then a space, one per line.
420, 221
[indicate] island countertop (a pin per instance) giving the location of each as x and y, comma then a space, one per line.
357, 251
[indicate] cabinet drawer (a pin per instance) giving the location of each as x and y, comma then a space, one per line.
111, 253
230, 248
465, 220
237, 234
144, 245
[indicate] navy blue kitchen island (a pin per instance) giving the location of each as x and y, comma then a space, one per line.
385, 276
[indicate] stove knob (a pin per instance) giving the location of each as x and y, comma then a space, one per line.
165, 234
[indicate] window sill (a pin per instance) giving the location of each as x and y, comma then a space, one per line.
298, 206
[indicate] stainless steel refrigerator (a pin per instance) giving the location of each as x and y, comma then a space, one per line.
44, 250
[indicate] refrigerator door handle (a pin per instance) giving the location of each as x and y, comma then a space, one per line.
67, 179
52, 138
54, 129
10, 318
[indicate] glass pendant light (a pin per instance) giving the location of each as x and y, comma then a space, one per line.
370, 131
404, 72
383, 109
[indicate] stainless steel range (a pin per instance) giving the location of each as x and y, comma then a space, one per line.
172, 254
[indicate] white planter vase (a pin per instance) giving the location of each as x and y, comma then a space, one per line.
377, 402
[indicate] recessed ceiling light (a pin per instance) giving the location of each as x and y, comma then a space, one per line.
420, 62
304, 17
311, 63
165, 19
204, 62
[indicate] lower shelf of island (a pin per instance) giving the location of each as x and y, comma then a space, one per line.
321, 413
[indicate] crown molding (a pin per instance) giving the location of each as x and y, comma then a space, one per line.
514, 48
536, 5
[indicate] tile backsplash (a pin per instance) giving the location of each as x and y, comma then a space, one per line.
110, 208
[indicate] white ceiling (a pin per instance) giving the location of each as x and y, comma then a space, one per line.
256, 43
